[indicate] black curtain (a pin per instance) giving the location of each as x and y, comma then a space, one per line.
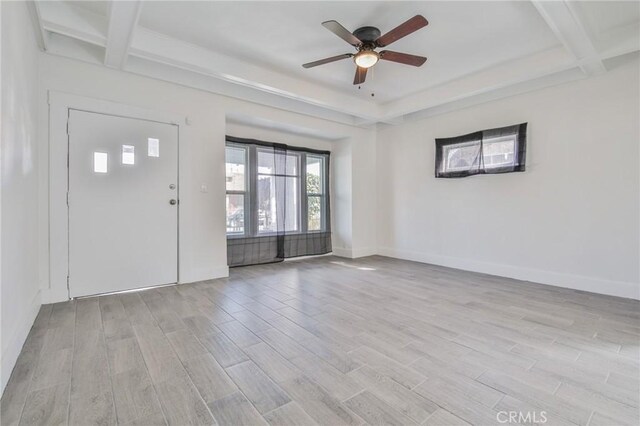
474, 146
275, 225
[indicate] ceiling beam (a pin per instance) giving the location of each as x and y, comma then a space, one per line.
123, 19
153, 46
75, 22
42, 36
81, 24
495, 77
565, 23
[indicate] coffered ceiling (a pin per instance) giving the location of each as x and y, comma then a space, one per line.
254, 50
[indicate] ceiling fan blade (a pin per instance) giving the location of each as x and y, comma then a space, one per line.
342, 32
402, 58
361, 75
413, 24
327, 60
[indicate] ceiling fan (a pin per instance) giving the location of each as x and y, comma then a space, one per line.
367, 39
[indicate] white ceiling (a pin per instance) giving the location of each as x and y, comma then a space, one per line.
461, 38
472, 47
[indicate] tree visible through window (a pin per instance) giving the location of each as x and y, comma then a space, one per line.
277, 202
315, 192
268, 190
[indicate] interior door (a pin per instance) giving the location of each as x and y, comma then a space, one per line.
123, 210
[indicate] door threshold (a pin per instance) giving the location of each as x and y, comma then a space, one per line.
133, 290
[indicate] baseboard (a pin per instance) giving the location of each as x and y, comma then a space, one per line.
341, 252
50, 295
11, 352
210, 274
363, 252
354, 253
628, 290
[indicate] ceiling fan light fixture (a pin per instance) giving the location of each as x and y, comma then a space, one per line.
366, 58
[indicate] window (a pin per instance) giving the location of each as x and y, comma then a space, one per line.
153, 147
272, 190
128, 154
499, 150
315, 182
278, 191
100, 161
236, 169
277, 202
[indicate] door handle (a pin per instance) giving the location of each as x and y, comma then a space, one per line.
173, 202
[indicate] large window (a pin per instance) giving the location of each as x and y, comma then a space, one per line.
236, 157
275, 190
277, 202
499, 150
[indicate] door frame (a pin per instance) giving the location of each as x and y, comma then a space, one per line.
58, 179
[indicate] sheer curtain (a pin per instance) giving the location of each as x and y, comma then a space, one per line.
500, 150
287, 207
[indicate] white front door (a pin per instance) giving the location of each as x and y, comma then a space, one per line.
123, 211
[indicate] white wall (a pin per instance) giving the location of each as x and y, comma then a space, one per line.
202, 215
570, 220
19, 225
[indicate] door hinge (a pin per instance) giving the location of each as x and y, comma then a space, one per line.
67, 198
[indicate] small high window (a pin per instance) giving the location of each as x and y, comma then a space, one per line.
499, 150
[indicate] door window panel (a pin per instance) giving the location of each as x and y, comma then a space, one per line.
153, 147
100, 162
128, 154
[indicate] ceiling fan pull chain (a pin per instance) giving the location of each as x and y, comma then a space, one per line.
373, 82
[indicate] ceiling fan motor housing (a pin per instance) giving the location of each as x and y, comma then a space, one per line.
367, 34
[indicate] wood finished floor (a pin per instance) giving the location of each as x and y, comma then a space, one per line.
332, 341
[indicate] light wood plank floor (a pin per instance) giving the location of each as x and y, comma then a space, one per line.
332, 341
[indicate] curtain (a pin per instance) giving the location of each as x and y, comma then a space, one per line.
278, 223
500, 150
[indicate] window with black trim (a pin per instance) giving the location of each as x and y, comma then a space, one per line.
500, 150
316, 192
236, 169
277, 201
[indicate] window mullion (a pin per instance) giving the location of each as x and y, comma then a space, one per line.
304, 220
324, 199
253, 192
